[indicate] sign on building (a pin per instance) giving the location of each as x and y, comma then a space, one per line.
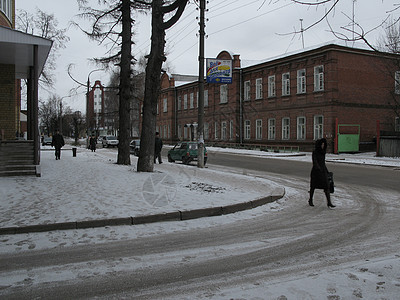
219, 71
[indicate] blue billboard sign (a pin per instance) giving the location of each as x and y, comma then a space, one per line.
219, 71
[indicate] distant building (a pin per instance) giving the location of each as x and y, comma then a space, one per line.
96, 108
290, 100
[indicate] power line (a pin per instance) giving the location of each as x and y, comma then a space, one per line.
250, 19
220, 30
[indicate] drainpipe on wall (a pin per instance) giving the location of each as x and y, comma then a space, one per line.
240, 107
378, 136
176, 137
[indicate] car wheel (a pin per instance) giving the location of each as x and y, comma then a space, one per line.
170, 158
137, 153
205, 160
185, 160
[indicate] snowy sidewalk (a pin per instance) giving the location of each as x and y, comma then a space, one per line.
91, 190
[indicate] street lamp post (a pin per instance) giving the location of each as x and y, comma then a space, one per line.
60, 125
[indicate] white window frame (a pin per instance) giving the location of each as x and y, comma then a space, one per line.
224, 128
397, 82
285, 128
223, 93
206, 98
231, 130
6, 8
165, 132
165, 105
191, 100
216, 130
318, 127
246, 91
271, 86
179, 104
301, 128
259, 90
301, 81
247, 129
286, 84
271, 129
180, 131
318, 78
258, 129
185, 101
206, 131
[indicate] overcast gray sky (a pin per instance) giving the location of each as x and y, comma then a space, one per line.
252, 28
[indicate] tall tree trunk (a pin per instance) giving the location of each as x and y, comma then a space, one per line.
152, 90
124, 86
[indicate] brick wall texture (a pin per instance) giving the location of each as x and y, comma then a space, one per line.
358, 88
7, 101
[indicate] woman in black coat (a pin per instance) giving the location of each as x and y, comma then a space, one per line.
319, 172
92, 143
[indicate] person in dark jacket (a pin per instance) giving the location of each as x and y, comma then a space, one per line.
57, 142
319, 172
92, 143
157, 148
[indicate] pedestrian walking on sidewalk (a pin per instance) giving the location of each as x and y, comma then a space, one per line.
157, 148
319, 172
57, 142
92, 143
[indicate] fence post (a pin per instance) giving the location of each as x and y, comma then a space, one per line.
378, 136
336, 136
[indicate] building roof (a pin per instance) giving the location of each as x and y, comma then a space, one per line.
16, 48
350, 45
181, 80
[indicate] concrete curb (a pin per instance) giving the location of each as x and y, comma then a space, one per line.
163, 217
360, 164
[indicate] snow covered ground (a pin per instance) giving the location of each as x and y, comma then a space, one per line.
91, 186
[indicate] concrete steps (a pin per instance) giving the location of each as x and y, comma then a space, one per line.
17, 158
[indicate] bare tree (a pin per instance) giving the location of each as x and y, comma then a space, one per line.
46, 26
352, 31
77, 125
112, 23
160, 8
49, 114
390, 43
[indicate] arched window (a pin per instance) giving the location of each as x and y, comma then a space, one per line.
6, 8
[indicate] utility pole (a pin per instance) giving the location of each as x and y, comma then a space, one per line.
200, 128
302, 31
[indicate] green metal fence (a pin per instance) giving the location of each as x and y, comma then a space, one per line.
348, 138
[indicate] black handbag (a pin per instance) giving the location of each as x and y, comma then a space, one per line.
331, 183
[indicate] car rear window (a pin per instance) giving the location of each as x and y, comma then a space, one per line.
193, 146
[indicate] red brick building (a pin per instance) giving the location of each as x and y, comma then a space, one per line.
290, 100
96, 108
